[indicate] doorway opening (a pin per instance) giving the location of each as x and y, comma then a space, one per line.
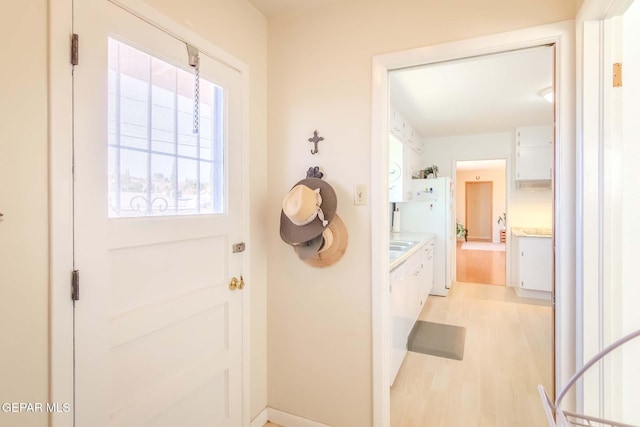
481, 107
481, 211
553, 36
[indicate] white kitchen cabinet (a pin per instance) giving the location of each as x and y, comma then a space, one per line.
396, 123
405, 157
534, 153
404, 163
410, 284
397, 170
534, 136
413, 139
534, 163
403, 130
535, 266
404, 302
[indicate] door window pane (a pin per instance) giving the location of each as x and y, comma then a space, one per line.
157, 164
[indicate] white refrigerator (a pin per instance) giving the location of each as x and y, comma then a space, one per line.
432, 210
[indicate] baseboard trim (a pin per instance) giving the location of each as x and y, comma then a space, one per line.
261, 419
288, 420
530, 293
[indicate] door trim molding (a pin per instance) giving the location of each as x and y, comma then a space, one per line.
60, 117
593, 101
563, 35
60, 133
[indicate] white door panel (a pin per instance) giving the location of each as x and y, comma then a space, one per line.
158, 338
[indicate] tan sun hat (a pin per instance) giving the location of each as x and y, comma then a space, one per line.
334, 244
307, 209
309, 249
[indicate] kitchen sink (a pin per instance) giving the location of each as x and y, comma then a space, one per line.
398, 248
401, 243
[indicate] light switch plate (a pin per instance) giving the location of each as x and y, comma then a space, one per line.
360, 194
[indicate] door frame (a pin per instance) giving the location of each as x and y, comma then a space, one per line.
594, 102
467, 184
60, 134
562, 34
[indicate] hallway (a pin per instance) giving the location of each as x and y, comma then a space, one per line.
508, 352
487, 267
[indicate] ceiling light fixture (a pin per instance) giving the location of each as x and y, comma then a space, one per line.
547, 93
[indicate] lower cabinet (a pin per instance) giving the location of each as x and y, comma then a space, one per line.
410, 284
535, 266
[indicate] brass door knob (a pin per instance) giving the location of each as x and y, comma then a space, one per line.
236, 284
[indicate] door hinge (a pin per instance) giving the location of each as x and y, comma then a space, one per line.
617, 74
238, 247
74, 49
75, 285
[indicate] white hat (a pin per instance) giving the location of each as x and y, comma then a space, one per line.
307, 209
302, 205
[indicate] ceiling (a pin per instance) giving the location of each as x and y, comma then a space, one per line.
492, 93
273, 9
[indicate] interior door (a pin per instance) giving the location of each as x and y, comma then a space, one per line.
157, 207
479, 206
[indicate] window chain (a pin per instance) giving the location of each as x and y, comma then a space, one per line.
194, 61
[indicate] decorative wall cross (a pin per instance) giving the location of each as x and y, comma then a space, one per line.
315, 139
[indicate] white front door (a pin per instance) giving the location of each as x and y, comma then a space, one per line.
157, 207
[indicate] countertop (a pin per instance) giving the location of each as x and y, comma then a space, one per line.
421, 239
531, 232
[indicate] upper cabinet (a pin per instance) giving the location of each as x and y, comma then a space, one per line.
397, 170
534, 154
404, 131
405, 157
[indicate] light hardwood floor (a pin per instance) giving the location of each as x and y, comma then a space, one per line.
487, 267
507, 354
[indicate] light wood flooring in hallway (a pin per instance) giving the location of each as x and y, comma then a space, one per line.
508, 352
486, 267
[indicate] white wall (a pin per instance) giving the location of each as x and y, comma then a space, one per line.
497, 176
319, 321
230, 24
23, 200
